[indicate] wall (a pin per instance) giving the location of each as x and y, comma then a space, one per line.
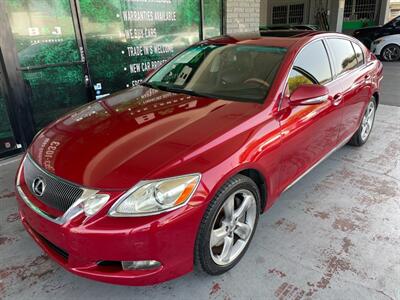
264, 12
242, 16
394, 9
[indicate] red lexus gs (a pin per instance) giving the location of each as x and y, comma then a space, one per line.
142, 186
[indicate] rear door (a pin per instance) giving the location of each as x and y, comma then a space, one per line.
308, 132
353, 75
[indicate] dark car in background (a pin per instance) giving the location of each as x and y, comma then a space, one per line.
290, 27
369, 34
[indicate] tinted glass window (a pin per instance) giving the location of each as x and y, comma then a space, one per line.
359, 54
235, 72
314, 63
295, 80
344, 55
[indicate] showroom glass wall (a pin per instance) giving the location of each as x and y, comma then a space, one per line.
74, 51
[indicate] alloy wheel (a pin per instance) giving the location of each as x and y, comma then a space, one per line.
233, 227
368, 121
391, 53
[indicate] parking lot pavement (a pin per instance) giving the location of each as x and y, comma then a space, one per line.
391, 83
334, 235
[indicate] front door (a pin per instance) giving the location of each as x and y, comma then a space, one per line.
51, 56
309, 132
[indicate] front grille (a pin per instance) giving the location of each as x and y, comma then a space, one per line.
57, 193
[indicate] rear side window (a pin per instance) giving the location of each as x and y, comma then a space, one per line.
311, 66
344, 55
359, 54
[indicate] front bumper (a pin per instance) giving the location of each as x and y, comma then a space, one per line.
376, 49
81, 244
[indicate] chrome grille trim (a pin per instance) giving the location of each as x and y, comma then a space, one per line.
74, 210
58, 194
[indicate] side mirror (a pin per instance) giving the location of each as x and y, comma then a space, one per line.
307, 94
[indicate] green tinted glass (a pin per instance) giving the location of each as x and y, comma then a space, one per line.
126, 39
212, 18
6, 136
54, 91
48, 55
40, 28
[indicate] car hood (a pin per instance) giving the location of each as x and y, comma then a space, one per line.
118, 141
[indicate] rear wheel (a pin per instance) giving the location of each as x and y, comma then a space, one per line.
363, 132
391, 52
228, 225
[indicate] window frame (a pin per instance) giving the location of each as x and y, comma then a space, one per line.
288, 7
330, 57
327, 54
362, 54
337, 76
293, 67
334, 58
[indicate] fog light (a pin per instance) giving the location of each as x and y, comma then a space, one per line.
140, 265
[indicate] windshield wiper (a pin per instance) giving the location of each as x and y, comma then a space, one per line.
150, 85
175, 90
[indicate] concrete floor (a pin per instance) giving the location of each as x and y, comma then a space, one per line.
334, 235
391, 83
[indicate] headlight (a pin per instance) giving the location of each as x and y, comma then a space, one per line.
378, 41
153, 197
94, 203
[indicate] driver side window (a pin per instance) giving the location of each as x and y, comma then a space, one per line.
295, 80
310, 67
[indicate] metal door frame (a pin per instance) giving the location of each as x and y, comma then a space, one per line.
13, 86
16, 95
5, 95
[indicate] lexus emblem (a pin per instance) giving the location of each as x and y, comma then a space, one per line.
38, 186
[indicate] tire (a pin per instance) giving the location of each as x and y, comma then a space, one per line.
390, 52
361, 137
215, 260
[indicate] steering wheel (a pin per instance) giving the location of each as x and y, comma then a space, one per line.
258, 81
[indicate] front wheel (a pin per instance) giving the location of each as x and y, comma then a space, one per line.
228, 225
363, 132
391, 52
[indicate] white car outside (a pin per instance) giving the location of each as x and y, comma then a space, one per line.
387, 47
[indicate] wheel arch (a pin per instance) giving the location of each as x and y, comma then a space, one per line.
261, 183
376, 96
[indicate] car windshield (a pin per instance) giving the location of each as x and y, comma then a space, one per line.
234, 72
395, 22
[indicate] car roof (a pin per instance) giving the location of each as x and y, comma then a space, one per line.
273, 38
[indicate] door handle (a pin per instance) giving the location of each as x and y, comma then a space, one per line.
337, 99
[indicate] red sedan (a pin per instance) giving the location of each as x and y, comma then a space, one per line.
142, 186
